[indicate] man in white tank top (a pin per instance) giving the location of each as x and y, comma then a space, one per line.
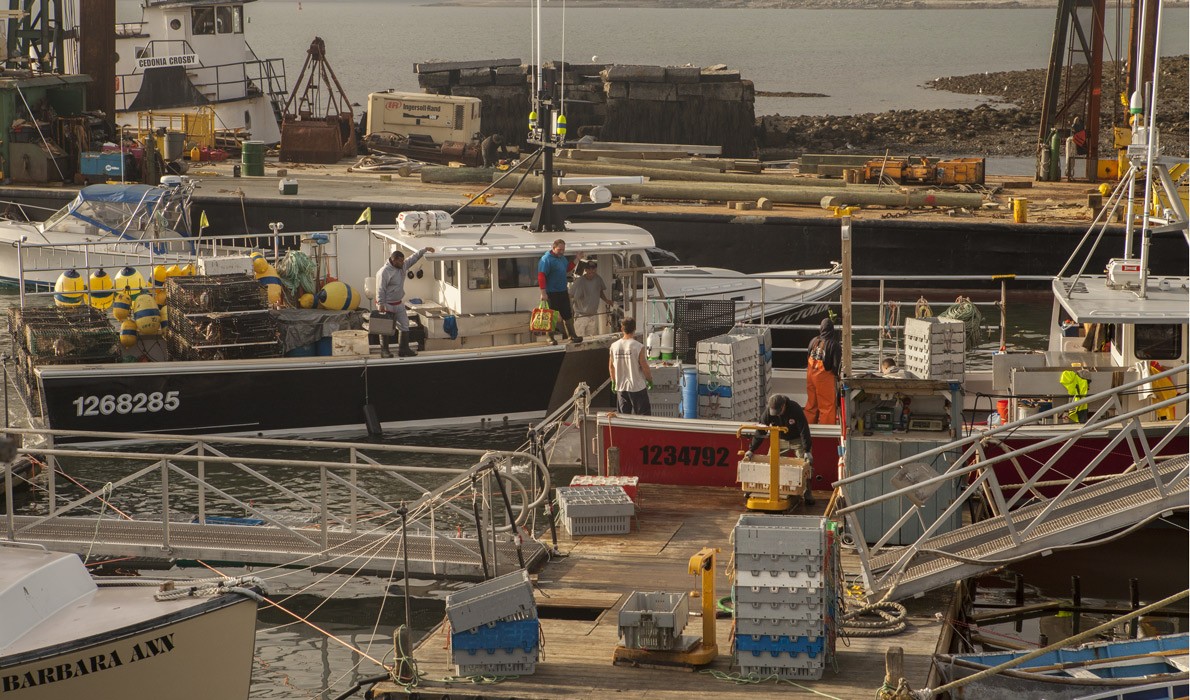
631, 376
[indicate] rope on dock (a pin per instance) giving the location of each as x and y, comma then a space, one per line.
891, 620
742, 679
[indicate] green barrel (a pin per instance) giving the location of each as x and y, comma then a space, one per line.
253, 158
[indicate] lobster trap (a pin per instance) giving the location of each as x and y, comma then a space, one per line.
63, 335
220, 317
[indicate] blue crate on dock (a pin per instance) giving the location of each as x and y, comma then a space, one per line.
781, 644
503, 635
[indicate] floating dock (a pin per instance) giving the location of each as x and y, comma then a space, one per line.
579, 595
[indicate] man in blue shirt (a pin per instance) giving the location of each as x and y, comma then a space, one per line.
551, 277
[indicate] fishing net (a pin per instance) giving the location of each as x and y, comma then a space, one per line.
297, 273
963, 310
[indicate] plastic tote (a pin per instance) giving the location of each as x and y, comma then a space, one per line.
543, 319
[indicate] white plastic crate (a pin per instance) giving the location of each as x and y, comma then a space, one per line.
935, 348
653, 620
809, 674
503, 598
666, 410
630, 484
665, 374
598, 525
753, 475
595, 502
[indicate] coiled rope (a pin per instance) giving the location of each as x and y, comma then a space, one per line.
967, 312
297, 273
204, 588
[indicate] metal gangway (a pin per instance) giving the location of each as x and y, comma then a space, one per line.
1029, 512
360, 507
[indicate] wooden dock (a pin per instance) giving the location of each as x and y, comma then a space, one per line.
579, 595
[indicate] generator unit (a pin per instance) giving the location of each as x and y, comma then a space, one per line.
440, 118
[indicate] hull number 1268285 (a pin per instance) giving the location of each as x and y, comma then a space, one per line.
126, 403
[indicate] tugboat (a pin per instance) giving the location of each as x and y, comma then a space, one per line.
187, 55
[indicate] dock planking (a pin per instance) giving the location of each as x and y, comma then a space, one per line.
579, 594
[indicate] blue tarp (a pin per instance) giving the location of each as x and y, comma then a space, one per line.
121, 194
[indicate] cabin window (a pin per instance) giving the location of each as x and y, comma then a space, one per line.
444, 271
479, 274
1159, 341
517, 273
141, 51
202, 21
228, 19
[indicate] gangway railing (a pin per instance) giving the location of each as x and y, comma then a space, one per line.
1024, 519
465, 512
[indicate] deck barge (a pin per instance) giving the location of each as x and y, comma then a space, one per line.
579, 595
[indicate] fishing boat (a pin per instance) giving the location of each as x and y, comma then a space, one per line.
144, 215
65, 635
188, 55
1066, 674
234, 371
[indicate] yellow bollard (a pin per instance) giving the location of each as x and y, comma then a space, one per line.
1020, 210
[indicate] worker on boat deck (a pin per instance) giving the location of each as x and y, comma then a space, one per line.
890, 370
1076, 145
390, 298
493, 150
822, 374
587, 290
630, 373
551, 277
786, 412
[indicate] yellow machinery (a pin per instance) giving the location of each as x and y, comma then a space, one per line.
199, 126
775, 502
690, 652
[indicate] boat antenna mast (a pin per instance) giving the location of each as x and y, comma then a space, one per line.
547, 131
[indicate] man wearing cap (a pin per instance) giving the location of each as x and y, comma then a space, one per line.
786, 412
390, 298
586, 291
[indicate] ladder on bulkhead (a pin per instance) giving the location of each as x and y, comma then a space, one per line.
1048, 509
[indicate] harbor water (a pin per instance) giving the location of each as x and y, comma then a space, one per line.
860, 60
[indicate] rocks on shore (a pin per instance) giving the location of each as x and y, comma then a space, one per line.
1008, 127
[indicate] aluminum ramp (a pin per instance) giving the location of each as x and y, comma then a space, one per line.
1089, 514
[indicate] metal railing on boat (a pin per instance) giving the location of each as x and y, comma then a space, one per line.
1023, 519
467, 513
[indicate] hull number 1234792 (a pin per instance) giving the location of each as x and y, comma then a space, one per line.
691, 456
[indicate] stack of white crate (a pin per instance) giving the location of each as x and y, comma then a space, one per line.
729, 383
595, 510
785, 590
753, 475
665, 399
494, 627
936, 348
764, 335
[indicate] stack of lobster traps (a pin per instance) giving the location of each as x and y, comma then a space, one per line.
219, 317
58, 335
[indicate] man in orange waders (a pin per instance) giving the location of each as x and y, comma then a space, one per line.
822, 375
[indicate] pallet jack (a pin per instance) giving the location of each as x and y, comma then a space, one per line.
688, 652
775, 502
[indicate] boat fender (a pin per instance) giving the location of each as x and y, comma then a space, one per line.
122, 305
102, 293
147, 315
131, 280
68, 290
128, 333
371, 420
450, 326
337, 296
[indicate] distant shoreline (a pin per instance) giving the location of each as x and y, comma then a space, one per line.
787, 4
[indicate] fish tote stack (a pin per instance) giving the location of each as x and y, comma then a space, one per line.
729, 385
595, 510
653, 620
785, 594
665, 398
764, 360
935, 348
494, 627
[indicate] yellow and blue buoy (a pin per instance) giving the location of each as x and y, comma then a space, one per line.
306, 301
122, 305
147, 315
128, 333
68, 290
130, 279
164, 317
269, 279
160, 273
337, 296
101, 285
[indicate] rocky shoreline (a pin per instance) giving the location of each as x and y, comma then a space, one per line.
1007, 126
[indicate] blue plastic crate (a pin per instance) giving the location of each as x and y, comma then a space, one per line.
721, 390
506, 635
757, 644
